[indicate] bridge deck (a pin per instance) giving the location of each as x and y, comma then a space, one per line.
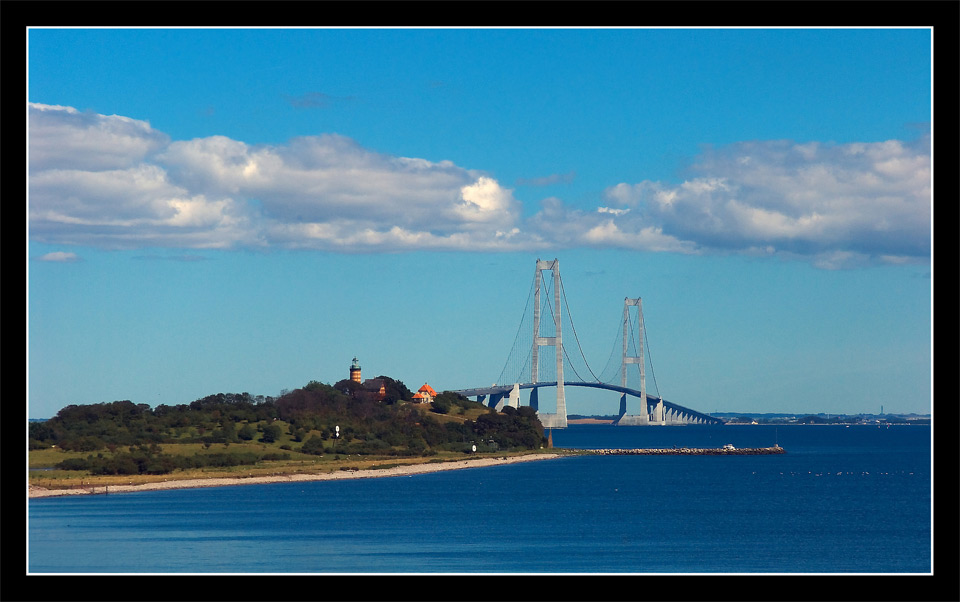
505, 390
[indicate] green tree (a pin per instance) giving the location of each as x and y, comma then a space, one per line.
348, 387
528, 413
271, 433
229, 431
441, 405
247, 432
313, 445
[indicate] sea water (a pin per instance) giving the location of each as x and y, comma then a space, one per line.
841, 500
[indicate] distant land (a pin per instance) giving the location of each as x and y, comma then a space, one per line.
781, 418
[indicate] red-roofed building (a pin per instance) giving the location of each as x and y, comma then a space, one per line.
425, 394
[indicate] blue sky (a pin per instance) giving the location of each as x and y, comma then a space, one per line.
247, 210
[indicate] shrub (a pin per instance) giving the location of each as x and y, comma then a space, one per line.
247, 432
270, 433
313, 445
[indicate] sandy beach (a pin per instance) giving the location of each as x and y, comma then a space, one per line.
397, 471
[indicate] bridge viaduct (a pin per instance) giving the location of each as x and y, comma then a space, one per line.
658, 411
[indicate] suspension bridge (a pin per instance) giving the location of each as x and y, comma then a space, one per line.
542, 326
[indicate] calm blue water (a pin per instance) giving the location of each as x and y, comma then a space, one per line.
842, 500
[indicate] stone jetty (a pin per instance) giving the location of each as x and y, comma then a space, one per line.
693, 451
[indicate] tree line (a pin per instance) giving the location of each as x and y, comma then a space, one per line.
132, 433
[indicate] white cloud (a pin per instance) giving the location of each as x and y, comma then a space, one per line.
59, 257
836, 204
484, 201
566, 227
112, 181
650, 238
321, 191
64, 138
128, 208
326, 178
613, 211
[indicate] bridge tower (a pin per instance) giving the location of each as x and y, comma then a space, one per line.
558, 420
642, 415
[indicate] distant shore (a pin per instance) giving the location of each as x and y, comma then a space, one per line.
396, 471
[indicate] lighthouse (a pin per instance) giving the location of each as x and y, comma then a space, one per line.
355, 371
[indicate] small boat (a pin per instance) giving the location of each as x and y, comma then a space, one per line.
729, 446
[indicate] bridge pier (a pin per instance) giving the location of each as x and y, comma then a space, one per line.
658, 415
550, 421
553, 421
641, 419
513, 399
498, 400
675, 416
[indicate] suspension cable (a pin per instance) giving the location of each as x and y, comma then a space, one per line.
523, 367
646, 342
516, 337
572, 367
613, 352
576, 338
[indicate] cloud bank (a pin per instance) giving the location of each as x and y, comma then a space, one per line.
115, 182
850, 203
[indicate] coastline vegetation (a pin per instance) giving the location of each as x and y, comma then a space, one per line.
317, 428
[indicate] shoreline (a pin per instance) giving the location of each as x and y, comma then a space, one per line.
35, 492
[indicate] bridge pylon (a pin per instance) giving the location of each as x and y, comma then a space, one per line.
642, 409
559, 419
641, 414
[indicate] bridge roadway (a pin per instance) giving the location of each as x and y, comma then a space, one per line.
503, 391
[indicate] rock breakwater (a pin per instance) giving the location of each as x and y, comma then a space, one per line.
693, 451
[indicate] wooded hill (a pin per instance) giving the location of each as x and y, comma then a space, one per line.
306, 419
